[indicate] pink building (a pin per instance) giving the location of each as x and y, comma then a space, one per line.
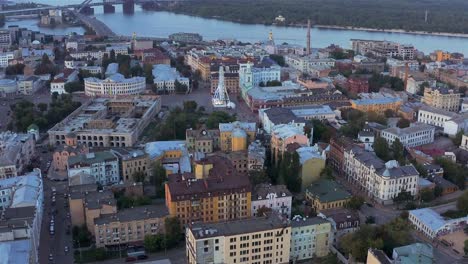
285, 134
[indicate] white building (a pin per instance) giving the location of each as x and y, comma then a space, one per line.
112, 68
319, 112
454, 125
22, 211
412, 136
434, 116
306, 64
275, 197
381, 181
367, 137
464, 142
276, 116
464, 105
432, 224
118, 49
57, 85
252, 75
165, 78
310, 238
29, 85
8, 87
5, 57
116, 84
97, 167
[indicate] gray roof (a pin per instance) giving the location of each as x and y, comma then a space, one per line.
299, 222
414, 128
279, 115
91, 158
244, 226
134, 214
328, 191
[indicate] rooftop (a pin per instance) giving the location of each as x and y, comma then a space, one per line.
133, 214
278, 115
420, 253
429, 218
413, 128
285, 131
328, 191
262, 190
91, 158
165, 73
312, 110
231, 228
299, 221
116, 78
229, 127
15, 252
307, 153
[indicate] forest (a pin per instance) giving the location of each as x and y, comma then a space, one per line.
442, 15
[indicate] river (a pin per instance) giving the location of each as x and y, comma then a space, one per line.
161, 24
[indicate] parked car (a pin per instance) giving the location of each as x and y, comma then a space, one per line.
130, 259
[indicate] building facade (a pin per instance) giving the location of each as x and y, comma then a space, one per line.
115, 85
444, 99
16, 152
202, 140
275, 197
237, 135
255, 241
131, 162
310, 238
326, 194
166, 77
96, 167
412, 136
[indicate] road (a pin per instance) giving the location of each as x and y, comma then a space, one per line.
175, 255
98, 26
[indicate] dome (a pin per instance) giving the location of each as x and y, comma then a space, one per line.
36, 42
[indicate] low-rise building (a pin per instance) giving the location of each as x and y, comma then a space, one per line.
166, 77
377, 105
381, 181
433, 225
8, 88
132, 161
344, 221
129, 226
173, 155
357, 85
202, 140
412, 136
319, 112
464, 142
29, 85
107, 122
276, 116
95, 167
254, 240
114, 85
57, 85
434, 116
69, 149
414, 253
310, 238
273, 197
326, 194
215, 192
16, 152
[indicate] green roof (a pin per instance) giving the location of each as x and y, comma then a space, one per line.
91, 158
327, 191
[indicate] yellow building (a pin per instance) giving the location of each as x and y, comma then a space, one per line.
377, 256
254, 240
377, 105
326, 194
237, 135
202, 140
312, 163
442, 55
87, 204
129, 225
442, 98
310, 237
131, 162
216, 192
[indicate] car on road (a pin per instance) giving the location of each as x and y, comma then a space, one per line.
66, 249
130, 259
51, 258
142, 257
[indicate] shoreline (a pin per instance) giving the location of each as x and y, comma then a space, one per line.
400, 31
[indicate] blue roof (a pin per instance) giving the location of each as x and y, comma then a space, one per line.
429, 218
386, 100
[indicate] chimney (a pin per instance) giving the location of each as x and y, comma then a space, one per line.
308, 37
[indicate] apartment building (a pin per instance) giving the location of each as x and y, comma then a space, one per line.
114, 85
95, 167
236, 135
231, 81
256, 155
381, 48
63, 152
432, 224
87, 203
275, 116
442, 98
202, 140
255, 240
283, 135
251, 75
310, 238
412, 136
377, 105
129, 226
312, 161
215, 192
132, 161
165, 78
381, 181
274, 197
16, 152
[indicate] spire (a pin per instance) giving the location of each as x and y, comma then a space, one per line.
308, 37
220, 96
270, 36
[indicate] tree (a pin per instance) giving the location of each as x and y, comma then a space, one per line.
137, 70
257, 177
289, 169
45, 67
279, 59
458, 138
17, 69
402, 197
179, 87
452, 171
355, 203
71, 87
381, 149
263, 211
42, 107
403, 122
158, 177
174, 232
190, 106
139, 176
465, 247
217, 117
397, 150
462, 203
148, 71
154, 243
427, 195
